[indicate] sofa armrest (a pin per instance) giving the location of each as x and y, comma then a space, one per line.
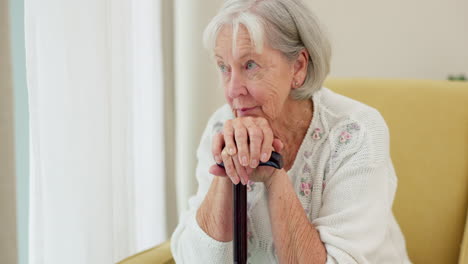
160, 254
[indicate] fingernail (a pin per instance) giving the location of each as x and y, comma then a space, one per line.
218, 159
253, 163
244, 161
243, 181
231, 151
237, 180
264, 157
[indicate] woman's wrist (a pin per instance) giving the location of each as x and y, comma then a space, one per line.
275, 177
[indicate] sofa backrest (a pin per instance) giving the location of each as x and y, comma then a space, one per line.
428, 123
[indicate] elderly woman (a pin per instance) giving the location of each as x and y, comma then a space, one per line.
332, 201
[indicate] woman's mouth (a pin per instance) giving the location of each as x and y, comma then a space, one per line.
245, 110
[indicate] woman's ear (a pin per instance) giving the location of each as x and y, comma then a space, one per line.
300, 68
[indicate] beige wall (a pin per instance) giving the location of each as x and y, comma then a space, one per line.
397, 39
8, 248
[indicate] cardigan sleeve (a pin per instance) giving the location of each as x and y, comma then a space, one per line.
358, 192
189, 243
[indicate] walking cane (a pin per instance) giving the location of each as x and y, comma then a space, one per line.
240, 211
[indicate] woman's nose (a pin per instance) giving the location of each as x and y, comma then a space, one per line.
236, 86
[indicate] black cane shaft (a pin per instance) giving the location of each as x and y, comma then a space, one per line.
240, 211
240, 223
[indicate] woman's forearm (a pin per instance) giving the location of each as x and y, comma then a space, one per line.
296, 239
215, 213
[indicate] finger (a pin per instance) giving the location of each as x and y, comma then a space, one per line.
240, 170
267, 143
255, 144
217, 170
240, 134
228, 132
267, 139
278, 145
229, 167
217, 147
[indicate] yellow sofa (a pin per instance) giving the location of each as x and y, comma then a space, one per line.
428, 122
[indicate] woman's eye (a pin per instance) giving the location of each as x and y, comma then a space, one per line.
251, 65
223, 68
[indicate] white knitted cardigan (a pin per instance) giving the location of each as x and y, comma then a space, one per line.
343, 176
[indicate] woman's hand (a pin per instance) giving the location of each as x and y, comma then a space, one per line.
244, 142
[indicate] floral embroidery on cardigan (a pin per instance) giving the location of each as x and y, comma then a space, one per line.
305, 187
344, 138
317, 134
346, 135
306, 169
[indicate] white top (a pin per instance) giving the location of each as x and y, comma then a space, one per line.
343, 176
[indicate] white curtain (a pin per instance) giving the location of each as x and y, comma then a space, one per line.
97, 186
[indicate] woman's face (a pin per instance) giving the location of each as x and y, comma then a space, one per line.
254, 84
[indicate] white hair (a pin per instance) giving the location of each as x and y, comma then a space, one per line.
289, 27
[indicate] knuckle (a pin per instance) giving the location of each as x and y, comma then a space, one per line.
227, 125
241, 135
239, 126
256, 140
224, 155
236, 121
262, 121
229, 169
267, 131
237, 169
256, 133
228, 133
240, 171
255, 148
